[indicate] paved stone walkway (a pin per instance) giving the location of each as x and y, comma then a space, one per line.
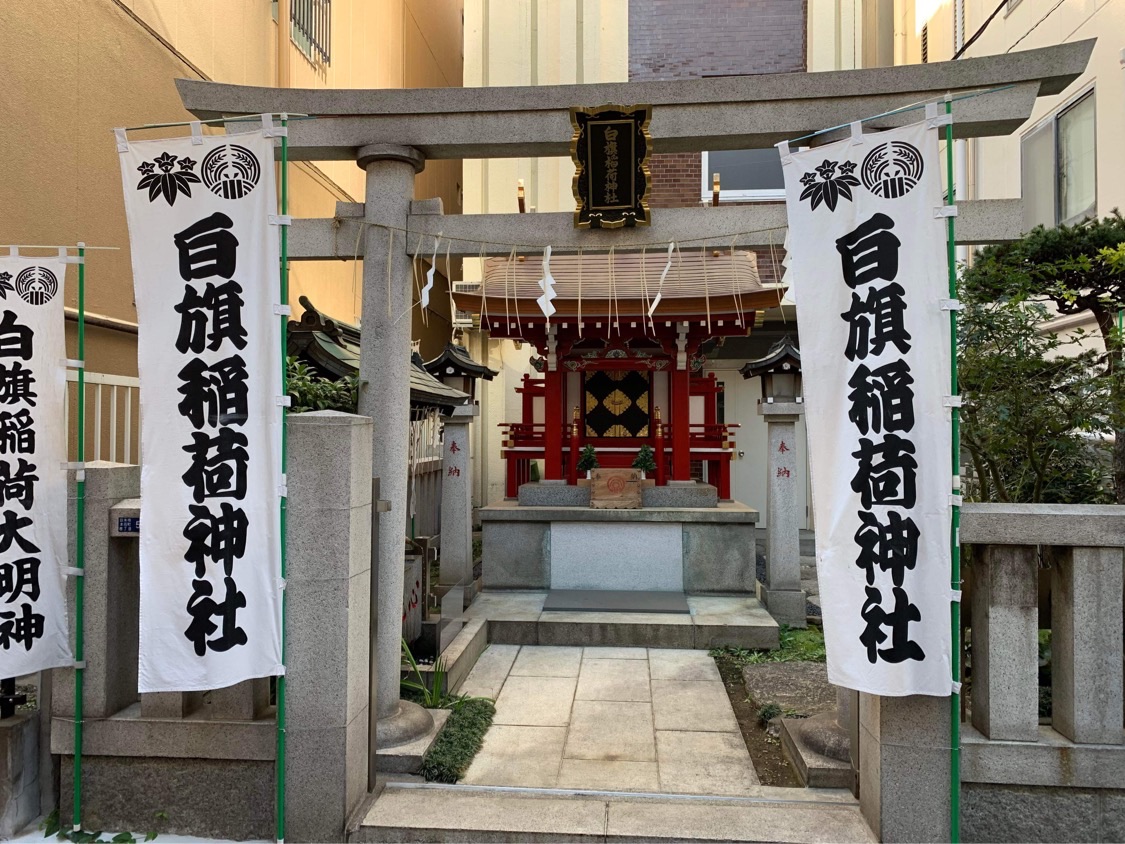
616, 719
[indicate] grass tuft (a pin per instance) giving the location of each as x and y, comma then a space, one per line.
795, 646
459, 741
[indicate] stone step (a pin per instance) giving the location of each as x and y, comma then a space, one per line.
438, 813
518, 618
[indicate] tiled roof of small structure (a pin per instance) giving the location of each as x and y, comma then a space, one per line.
331, 347
783, 356
457, 358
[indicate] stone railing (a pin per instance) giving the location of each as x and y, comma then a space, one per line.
1036, 567
205, 762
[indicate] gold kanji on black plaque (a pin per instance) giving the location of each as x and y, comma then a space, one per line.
610, 149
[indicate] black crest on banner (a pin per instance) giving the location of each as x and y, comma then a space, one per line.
829, 183
230, 171
37, 285
171, 181
892, 169
610, 149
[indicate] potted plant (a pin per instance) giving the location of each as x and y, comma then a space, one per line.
587, 460
644, 460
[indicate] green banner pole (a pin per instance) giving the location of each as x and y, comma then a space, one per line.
955, 532
80, 547
284, 286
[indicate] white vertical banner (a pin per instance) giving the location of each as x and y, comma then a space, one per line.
867, 240
205, 275
33, 626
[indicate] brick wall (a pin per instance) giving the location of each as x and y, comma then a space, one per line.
676, 180
687, 39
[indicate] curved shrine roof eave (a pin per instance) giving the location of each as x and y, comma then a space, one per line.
457, 358
783, 356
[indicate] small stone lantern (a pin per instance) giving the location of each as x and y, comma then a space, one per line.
780, 371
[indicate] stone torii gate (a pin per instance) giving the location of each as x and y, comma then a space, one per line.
391, 134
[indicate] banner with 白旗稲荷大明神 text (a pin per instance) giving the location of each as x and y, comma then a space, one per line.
867, 259
33, 624
205, 276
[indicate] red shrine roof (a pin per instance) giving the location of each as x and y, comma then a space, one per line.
717, 288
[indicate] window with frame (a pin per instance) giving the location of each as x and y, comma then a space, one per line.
310, 27
745, 175
1058, 166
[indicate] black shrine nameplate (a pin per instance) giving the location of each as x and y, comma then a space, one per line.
610, 149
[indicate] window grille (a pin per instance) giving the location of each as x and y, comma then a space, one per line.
312, 28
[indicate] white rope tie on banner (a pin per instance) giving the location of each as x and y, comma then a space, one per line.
951, 401
72, 571
951, 305
282, 310
269, 130
857, 132
196, 133
70, 363
122, 140
284, 401
547, 285
956, 500
955, 595
660, 285
945, 211
279, 219
430, 281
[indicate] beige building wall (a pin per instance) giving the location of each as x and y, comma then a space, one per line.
835, 35
527, 42
74, 69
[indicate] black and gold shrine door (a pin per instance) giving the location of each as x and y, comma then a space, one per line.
617, 403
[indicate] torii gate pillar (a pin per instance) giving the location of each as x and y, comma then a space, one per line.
384, 395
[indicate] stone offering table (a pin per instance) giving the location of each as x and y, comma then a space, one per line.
680, 549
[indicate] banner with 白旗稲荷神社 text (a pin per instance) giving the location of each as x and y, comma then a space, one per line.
867, 260
205, 275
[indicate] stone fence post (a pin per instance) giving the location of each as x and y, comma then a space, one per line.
782, 593
457, 501
328, 622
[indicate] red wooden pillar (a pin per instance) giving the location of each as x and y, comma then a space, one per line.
512, 485
681, 419
553, 424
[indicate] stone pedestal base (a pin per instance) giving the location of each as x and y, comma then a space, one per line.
409, 722
407, 758
786, 606
819, 749
19, 772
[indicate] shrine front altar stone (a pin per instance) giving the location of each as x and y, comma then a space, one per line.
697, 550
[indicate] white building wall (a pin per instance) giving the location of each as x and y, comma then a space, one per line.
748, 469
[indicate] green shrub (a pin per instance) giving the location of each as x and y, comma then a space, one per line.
588, 459
644, 459
309, 391
459, 741
768, 712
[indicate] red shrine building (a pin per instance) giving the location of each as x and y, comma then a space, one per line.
621, 357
